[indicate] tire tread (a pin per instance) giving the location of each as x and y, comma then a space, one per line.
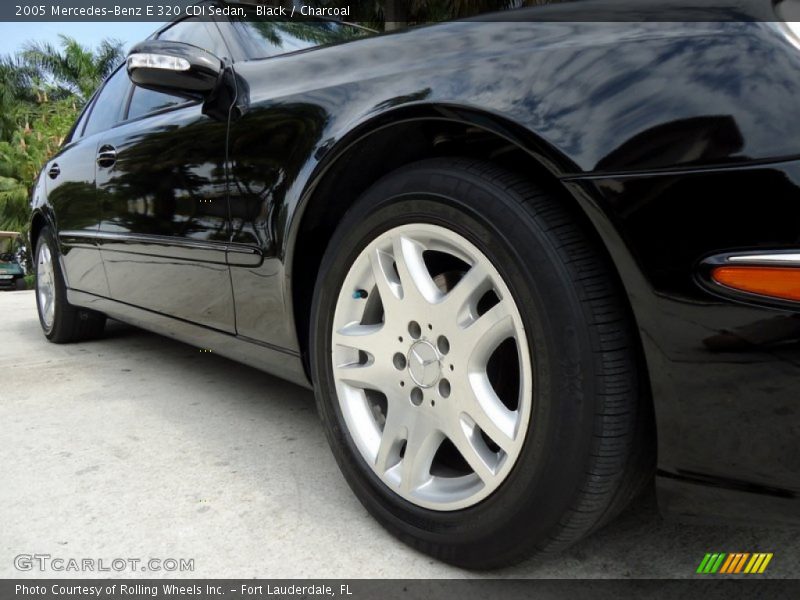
622, 460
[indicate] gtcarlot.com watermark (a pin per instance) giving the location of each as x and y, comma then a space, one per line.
48, 563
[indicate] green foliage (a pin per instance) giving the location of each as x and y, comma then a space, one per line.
74, 69
42, 90
13, 205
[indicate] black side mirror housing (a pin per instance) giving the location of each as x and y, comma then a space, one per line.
174, 68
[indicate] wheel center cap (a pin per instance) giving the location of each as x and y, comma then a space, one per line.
423, 364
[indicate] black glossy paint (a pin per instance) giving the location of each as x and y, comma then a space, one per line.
726, 370
72, 197
168, 182
677, 141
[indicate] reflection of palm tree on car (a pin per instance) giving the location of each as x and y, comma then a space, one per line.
155, 155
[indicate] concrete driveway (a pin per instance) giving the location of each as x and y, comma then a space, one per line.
139, 446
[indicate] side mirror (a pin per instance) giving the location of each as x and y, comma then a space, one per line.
174, 68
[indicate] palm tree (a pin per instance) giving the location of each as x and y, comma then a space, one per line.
73, 69
18, 91
13, 191
41, 91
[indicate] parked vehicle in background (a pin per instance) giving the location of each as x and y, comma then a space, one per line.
12, 273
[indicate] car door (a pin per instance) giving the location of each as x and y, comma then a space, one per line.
267, 149
70, 185
161, 180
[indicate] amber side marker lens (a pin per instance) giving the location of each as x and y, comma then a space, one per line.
775, 282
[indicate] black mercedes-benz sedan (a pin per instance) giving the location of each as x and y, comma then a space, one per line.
526, 263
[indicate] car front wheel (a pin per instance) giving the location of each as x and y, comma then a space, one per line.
475, 365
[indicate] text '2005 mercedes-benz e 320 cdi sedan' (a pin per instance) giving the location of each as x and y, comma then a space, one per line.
525, 262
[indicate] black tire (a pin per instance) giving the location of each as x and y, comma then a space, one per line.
70, 323
589, 449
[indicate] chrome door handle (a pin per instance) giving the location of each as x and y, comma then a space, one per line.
106, 156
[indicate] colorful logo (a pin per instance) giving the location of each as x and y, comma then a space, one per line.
736, 562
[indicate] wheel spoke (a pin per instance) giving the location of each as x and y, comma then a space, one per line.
48, 306
482, 405
421, 446
466, 437
486, 333
367, 376
372, 339
469, 289
394, 432
376, 372
389, 288
414, 275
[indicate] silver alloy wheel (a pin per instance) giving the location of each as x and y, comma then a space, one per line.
46, 286
432, 367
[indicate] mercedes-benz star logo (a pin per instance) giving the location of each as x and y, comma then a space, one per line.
423, 364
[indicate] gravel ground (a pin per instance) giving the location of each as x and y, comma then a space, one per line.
137, 446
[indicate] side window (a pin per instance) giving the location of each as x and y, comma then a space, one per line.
110, 104
263, 37
146, 101
77, 131
202, 34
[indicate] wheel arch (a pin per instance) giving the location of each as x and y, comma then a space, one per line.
376, 146
388, 141
38, 222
